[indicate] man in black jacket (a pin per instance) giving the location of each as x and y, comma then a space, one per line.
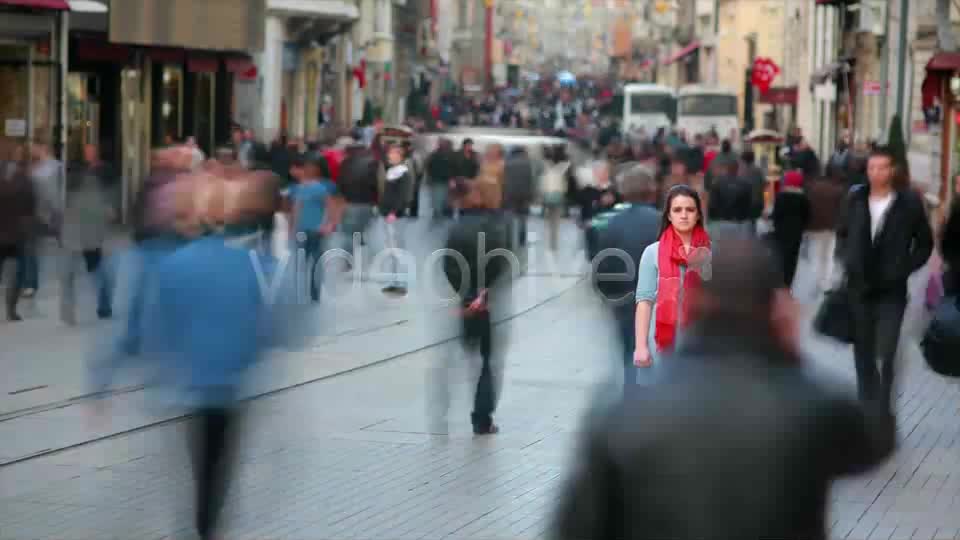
737, 441
882, 239
627, 233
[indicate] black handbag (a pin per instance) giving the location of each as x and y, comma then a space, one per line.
834, 318
941, 341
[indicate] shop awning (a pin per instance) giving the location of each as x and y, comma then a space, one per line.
241, 66
326, 9
780, 95
681, 53
38, 4
202, 63
939, 69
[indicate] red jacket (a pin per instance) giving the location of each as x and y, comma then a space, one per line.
334, 157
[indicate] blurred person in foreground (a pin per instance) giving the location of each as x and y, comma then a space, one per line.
208, 324
737, 441
154, 233
481, 238
635, 227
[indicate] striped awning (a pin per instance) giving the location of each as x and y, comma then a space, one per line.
38, 4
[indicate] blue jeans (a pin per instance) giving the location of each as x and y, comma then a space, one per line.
628, 338
102, 275
439, 193
356, 219
28, 267
314, 247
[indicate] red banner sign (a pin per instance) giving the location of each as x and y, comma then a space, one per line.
764, 72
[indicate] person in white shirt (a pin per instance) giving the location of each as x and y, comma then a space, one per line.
883, 238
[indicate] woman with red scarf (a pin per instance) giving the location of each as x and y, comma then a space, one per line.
671, 273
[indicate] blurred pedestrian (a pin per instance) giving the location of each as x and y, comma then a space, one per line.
441, 168
317, 208
208, 325
883, 237
86, 218
394, 200
17, 213
631, 231
669, 277
736, 420
46, 174
791, 216
826, 196
481, 285
554, 183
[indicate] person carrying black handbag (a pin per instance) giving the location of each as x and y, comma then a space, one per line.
882, 239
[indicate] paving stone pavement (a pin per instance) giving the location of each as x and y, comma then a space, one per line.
47, 363
353, 456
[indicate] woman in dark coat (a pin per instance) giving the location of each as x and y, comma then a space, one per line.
791, 215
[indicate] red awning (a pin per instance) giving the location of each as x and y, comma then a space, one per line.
681, 53
780, 95
166, 56
242, 67
97, 50
944, 61
201, 63
38, 4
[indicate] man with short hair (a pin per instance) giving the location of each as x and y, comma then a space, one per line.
882, 239
634, 227
737, 440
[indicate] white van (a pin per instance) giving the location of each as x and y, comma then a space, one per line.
701, 109
648, 106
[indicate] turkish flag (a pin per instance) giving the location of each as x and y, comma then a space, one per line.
360, 73
764, 72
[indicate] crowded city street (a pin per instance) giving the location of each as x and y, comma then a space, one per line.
479, 270
342, 445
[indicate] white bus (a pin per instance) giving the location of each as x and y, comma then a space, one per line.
702, 109
648, 106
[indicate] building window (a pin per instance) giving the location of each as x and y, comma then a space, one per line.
465, 16
381, 20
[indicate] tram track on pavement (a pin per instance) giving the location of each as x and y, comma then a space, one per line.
87, 398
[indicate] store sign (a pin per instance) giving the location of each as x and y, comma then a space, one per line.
218, 25
15, 127
872, 88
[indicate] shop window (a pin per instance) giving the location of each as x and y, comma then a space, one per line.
171, 108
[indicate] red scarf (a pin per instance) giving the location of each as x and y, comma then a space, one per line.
670, 257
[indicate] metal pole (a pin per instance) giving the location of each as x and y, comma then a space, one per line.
31, 87
715, 76
64, 45
885, 71
902, 56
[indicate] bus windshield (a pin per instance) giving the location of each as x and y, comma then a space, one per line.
651, 103
708, 105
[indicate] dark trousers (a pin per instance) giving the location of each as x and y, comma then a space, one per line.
789, 251
877, 324
313, 248
11, 252
212, 452
628, 338
478, 335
